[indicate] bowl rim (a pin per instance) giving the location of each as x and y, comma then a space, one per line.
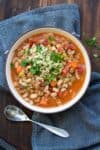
62, 107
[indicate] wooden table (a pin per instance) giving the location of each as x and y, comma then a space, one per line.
20, 134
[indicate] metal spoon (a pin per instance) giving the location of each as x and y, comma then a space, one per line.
14, 113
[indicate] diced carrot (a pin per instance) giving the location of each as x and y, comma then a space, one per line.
62, 94
43, 102
73, 64
19, 69
53, 83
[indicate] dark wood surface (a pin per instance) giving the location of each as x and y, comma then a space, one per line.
20, 134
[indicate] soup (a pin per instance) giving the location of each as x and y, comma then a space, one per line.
48, 69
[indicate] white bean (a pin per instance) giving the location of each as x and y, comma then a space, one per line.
66, 80
71, 52
33, 96
59, 82
69, 83
25, 95
72, 70
63, 89
77, 75
65, 85
28, 67
58, 45
22, 83
53, 94
39, 79
46, 88
55, 90
28, 80
16, 64
53, 48
40, 93
47, 92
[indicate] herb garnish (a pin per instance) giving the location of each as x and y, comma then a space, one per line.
55, 71
92, 42
25, 62
38, 48
12, 66
56, 57
35, 69
49, 78
51, 38
96, 56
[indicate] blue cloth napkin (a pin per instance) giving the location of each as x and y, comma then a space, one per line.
82, 121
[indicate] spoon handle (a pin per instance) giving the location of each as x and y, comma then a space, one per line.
58, 131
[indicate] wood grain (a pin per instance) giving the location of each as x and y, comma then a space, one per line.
20, 134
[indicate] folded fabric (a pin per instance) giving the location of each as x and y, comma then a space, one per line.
82, 121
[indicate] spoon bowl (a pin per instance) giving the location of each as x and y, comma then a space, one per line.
14, 113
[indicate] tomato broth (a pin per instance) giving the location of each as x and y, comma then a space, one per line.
48, 69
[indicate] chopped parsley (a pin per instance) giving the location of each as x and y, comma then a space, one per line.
51, 38
35, 70
56, 57
52, 76
96, 56
38, 48
25, 62
12, 66
55, 71
92, 42
45, 63
49, 78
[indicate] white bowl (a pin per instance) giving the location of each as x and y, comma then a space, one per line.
67, 104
